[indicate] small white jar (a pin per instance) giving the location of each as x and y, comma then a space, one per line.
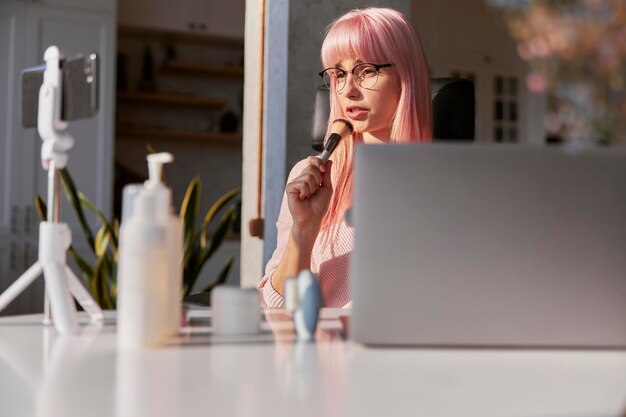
236, 311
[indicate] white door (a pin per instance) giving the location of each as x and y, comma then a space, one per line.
26, 30
12, 17
12, 208
91, 158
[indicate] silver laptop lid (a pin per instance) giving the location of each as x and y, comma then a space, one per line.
489, 246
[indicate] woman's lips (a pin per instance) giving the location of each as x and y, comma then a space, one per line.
356, 113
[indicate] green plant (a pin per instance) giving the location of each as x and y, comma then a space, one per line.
100, 276
197, 247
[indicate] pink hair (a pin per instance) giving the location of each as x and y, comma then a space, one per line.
377, 35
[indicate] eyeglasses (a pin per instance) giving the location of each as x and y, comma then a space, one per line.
365, 75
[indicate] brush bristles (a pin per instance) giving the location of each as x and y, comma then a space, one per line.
342, 127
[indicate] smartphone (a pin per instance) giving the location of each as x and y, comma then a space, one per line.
79, 98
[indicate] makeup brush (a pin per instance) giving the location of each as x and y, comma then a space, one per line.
340, 129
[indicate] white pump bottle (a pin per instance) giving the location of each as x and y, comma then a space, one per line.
150, 265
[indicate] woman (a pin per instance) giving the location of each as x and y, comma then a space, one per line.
378, 77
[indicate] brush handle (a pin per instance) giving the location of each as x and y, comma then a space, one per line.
331, 144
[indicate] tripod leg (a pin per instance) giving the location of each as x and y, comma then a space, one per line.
47, 314
83, 297
19, 285
63, 309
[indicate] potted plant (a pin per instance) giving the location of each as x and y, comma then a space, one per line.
200, 244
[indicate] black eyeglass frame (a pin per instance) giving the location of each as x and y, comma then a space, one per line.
378, 67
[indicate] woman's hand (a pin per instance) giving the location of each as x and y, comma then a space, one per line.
308, 195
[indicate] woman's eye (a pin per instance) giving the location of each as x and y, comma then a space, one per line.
340, 75
365, 72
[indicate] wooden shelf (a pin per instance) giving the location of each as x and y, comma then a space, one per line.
169, 99
141, 32
130, 132
202, 70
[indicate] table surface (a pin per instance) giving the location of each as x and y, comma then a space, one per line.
272, 374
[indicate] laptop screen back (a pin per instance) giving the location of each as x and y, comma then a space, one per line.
489, 246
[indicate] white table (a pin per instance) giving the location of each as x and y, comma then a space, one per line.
42, 374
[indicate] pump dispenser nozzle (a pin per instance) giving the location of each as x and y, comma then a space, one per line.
155, 184
155, 167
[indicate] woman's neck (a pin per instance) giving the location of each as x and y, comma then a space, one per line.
382, 136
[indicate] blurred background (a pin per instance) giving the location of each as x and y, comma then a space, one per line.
185, 78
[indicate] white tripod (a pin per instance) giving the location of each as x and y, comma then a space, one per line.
54, 237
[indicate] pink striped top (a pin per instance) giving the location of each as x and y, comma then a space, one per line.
331, 263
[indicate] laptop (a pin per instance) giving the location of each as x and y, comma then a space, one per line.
501, 245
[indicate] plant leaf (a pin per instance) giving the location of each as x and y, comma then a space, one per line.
190, 267
72, 197
42, 208
218, 238
225, 224
114, 294
221, 202
188, 213
191, 202
82, 264
116, 234
95, 285
221, 278
116, 227
106, 234
85, 202
99, 285
102, 241
107, 300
